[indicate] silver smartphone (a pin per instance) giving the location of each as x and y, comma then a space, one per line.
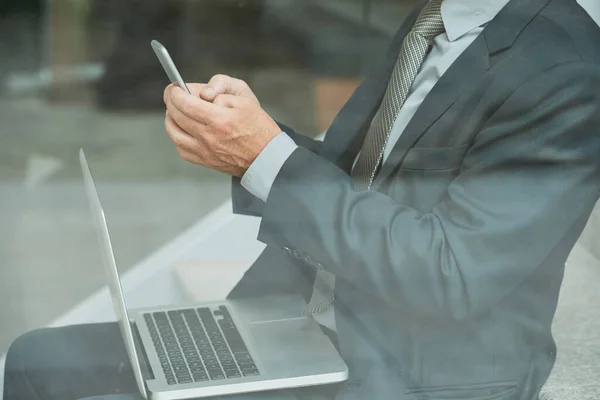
168, 65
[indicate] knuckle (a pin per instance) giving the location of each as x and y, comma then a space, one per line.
221, 100
227, 125
219, 78
241, 83
177, 141
195, 148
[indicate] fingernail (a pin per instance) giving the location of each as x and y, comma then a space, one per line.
209, 91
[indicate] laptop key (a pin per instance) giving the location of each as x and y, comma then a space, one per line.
220, 346
242, 356
250, 372
182, 377
200, 377
233, 374
188, 346
213, 367
216, 375
247, 366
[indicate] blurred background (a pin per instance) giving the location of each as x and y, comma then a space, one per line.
81, 74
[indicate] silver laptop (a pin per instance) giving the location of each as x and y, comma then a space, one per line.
217, 348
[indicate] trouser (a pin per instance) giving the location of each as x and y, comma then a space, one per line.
90, 361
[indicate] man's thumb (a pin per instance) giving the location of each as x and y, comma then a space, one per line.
208, 93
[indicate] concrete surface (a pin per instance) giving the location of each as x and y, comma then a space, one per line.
46, 241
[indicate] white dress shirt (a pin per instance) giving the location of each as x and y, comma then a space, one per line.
464, 20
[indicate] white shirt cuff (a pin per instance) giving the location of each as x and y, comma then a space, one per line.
259, 178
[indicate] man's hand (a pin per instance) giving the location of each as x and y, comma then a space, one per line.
226, 134
223, 84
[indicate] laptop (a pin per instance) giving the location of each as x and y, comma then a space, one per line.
217, 348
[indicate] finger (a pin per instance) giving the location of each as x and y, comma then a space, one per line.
194, 107
191, 157
167, 93
179, 137
207, 92
229, 101
197, 88
222, 84
189, 125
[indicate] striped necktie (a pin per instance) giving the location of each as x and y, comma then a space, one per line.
415, 47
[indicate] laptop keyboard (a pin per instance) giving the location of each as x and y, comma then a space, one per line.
193, 346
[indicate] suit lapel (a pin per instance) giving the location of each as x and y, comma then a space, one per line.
346, 134
466, 70
500, 34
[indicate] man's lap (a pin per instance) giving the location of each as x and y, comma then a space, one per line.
80, 362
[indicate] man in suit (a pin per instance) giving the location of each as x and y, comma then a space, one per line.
437, 214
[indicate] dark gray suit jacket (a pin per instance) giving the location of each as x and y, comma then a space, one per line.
448, 273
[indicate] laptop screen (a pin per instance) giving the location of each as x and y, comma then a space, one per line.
112, 274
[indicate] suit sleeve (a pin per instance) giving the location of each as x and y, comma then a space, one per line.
245, 202
529, 175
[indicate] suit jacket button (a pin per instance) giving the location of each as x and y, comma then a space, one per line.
297, 253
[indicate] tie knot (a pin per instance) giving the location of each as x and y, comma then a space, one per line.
429, 23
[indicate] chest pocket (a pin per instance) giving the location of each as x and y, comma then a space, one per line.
434, 158
423, 178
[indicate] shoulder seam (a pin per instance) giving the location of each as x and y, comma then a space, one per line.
537, 76
566, 34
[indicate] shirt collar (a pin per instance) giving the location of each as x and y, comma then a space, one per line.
462, 16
